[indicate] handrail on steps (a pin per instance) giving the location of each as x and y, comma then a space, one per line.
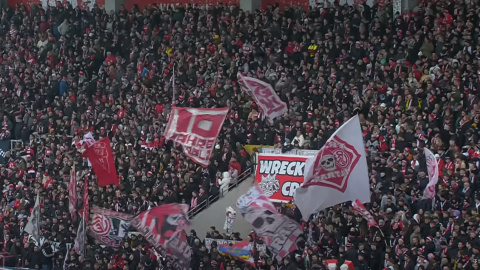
212, 198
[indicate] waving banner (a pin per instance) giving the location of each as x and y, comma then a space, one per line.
278, 232
196, 130
163, 227
209, 241
360, 208
101, 156
33, 225
231, 217
337, 174
264, 95
432, 167
279, 175
109, 227
240, 250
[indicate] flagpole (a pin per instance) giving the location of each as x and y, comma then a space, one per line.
84, 233
38, 219
173, 84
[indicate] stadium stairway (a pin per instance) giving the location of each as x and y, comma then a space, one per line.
213, 211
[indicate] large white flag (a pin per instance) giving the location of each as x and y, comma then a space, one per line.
33, 225
432, 166
338, 173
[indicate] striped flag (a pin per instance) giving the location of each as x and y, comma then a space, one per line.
66, 258
80, 240
72, 194
33, 225
360, 208
86, 204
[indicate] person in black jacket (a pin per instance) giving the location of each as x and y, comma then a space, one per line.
34, 258
47, 256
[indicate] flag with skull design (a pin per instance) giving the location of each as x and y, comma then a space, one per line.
337, 174
279, 232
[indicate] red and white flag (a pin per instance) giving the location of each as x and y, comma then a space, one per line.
338, 173
264, 95
86, 203
360, 208
88, 140
278, 232
80, 240
432, 167
72, 194
101, 156
163, 227
196, 129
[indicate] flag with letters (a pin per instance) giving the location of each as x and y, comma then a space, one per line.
163, 227
278, 232
196, 130
102, 159
264, 96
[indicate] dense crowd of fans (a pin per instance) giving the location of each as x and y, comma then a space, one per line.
412, 78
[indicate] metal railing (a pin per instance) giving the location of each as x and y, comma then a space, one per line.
213, 198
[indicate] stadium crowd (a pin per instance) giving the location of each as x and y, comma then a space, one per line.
412, 78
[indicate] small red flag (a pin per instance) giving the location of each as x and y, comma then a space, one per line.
101, 157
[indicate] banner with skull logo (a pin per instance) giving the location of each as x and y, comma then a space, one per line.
163, 227
231, 217
279, 232
337, 174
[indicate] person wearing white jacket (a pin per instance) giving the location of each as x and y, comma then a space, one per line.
299, 138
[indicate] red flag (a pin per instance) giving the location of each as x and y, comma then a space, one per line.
162, 227
360, 208
101, 157
72, 194
196, 129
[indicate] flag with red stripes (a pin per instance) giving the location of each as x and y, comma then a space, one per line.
72, 194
